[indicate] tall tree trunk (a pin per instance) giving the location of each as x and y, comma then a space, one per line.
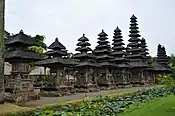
2, 9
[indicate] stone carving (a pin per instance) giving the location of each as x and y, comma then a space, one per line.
90, 76
19, 95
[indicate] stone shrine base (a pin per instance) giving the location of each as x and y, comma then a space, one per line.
23, 97
123, 85
110, 87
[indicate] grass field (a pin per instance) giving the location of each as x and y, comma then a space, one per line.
160, 107
4, 108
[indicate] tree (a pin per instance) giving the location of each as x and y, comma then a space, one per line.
6, 33
171, 60
2, 9
41, 46
40, 41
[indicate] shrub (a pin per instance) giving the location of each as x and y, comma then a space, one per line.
109, 105
105, 105
168, 80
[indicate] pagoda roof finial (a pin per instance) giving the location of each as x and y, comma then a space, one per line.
143, 39
83, 38
21, 31
56, 45
117, 29
102, 33
133, 17
159, 45
56, 39
163, 47
21, 38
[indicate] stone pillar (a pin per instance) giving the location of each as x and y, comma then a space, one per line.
112, 76
68, 79
50, 79
142, 77
154, 76
95, 76
106, 78
86, 80
44, 78
57, 78
123, 76
20, 97
63, 77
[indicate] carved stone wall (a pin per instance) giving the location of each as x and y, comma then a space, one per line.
137, 76
81, 78
105, 77
20, 67
86, 77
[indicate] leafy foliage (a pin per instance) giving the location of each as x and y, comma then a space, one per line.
168, 80
151, 59
37, 49
165, 79
40, 41
105, 105
171, 60
41, 46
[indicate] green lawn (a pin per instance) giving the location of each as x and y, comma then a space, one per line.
161, 107
7, 107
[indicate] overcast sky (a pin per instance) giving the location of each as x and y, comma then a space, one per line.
69, 19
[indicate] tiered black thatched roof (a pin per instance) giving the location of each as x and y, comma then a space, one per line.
55, 56
103, 50
83, 48
144, 50
134, 51
118, 50
11, 56
85, 58
18, 44
20, 39
161, 63
83, 45
56, 62
161, 56
58, 50
159, 67
134, 45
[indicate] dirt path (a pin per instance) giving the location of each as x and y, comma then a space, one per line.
51, 100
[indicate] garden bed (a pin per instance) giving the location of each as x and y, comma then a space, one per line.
110, 105
105, 105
